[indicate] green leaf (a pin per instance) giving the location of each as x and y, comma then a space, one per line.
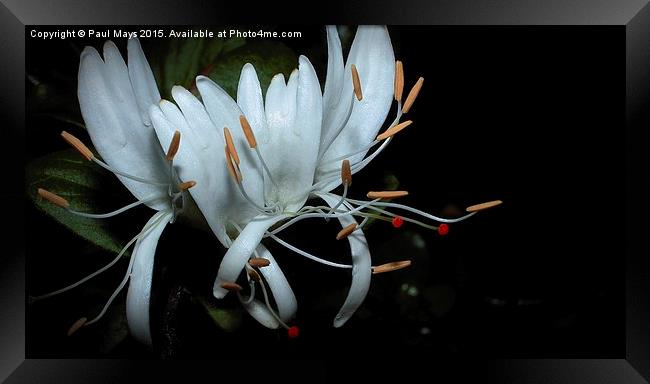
268, 57
181, 60
79, 181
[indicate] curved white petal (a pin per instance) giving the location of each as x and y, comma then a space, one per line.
294, 116
204, 132
224, 112
335, 71
337, 104
361, 267
372, 54
240, 251
279, 286
139, 294
114, 122
191, 165
142, 80
249, 99
261, 313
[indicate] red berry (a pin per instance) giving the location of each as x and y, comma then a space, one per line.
397, 222
293, 332
443, 229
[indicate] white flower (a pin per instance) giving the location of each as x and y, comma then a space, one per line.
250, 166
283, 150
114, 101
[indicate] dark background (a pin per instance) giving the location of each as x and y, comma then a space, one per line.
529, 115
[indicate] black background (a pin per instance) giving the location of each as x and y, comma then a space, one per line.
529, 115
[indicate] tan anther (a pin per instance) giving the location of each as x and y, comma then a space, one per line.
345, 232
399, 80
78, 145
173, 146
77, 324
233, 287
231, 167
356, 82
53, 198
386, 194
230, 144
394, 129
254, 275
410, 99
346, 173
248, 131
482, 206
186, 185
259, 262
390, 267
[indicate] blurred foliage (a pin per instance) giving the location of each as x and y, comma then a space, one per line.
179, 61
81, 182
268, 57
221, 60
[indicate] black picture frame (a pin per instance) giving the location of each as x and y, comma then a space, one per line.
633, 16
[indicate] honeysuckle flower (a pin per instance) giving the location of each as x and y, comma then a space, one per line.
250, 165
280, 151
115, 101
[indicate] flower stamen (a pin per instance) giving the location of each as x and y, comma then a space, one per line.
346, 180
53, 198
236, 176
413, 94
77, 325
144, 232
345, 232
482, 206
259, 262
252, 142
230, 145
399, 81
356, 83
346, 173
393, 130
87, 153
390, 267
253, 274
173, 146
78, 145
186, 185
386, 194
233, 287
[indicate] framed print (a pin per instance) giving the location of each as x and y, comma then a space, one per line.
458, 183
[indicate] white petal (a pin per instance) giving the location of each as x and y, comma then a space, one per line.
224, 112
198, 120
261, 313
249, 99
337, 99
142, 79
191, 165
115, 124
139, 294
117, 74
294, 132
361, 267
275, 102
372, 54
279, 286
335, 71
240, 251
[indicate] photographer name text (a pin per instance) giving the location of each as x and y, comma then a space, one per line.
158, 33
